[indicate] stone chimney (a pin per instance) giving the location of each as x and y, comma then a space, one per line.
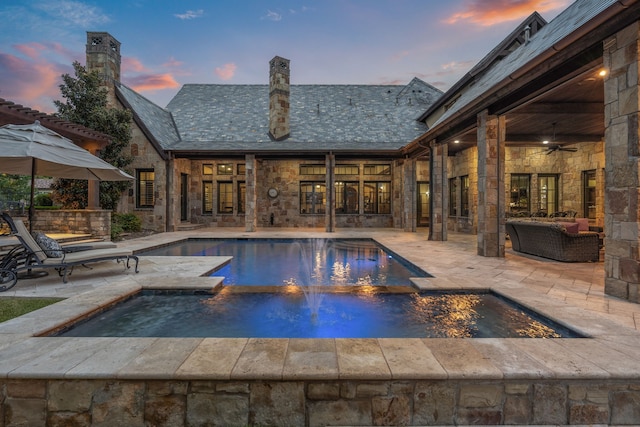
103, 54
279, 98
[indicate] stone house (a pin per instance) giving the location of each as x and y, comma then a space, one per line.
276, 155
282, 155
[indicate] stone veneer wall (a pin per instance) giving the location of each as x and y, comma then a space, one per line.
157, 403
465, 163
569, 166
145, 157
97, 223
284, 175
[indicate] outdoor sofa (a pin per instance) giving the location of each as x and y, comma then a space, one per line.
560, 241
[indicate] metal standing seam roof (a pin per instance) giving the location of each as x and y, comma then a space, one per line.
572, 18
212, 117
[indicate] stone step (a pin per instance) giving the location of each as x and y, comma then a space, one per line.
187, 226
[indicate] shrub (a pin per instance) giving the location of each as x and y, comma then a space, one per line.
124, 223
43, 199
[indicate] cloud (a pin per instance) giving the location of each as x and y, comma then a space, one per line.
226, 72
172, 63
152, 82
398, 56
272, 16
491, 12
32, 83
31, 50
190, 14
75, 12
130, 64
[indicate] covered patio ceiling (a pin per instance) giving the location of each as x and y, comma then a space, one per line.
568, 114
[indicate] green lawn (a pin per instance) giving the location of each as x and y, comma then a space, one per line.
11, 307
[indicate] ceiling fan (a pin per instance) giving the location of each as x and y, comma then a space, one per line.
558, 147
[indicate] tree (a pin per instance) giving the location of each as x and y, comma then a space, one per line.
86, 104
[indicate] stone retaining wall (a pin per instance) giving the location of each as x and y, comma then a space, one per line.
316, 403
97, 223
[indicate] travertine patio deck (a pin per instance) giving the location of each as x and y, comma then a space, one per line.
598, 379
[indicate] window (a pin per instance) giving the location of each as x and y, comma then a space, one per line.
207, 197
377, 169
313, 169
242, 196
377, 197
453, 196
347, 170
207, 169
589, 191
519, 195
346, 197
548, 193
242, 169
225, 197
225, 169
145, 196
464, 195
312, 197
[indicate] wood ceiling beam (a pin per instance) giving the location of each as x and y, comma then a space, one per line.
559, 139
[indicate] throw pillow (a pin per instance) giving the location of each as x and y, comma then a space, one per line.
583, 224
50, 247
570, 227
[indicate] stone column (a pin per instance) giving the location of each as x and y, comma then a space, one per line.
250, 215
491, 209
439, 200
622, 193
170, 193
330, 214
409, 199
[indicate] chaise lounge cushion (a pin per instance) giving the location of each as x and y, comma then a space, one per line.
50, 246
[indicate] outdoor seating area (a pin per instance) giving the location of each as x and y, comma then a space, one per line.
41, 252
560, 241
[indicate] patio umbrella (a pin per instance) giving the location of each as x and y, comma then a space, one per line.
37, 151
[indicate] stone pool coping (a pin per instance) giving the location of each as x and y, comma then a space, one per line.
610, 354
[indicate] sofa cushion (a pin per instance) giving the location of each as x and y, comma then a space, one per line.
570, 227
49, 246
583, 224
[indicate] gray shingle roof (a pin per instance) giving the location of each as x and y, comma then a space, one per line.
157, 121
562, 25
337, 117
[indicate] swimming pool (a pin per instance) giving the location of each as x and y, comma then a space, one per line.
364, 313
275, 262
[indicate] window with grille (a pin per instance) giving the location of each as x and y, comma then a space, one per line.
464, 195
377, 169
225, 197
313, 169
347, 170
313, 196
207, 197
548, 193
519, 201
453, 196
225, 169
346, 197
242, 196
145, 195
377, 197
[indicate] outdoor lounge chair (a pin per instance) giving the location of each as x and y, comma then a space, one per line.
30, 256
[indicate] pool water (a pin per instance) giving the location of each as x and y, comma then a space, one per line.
274, 262
363, 313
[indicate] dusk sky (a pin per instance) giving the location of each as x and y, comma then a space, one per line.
167, 43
